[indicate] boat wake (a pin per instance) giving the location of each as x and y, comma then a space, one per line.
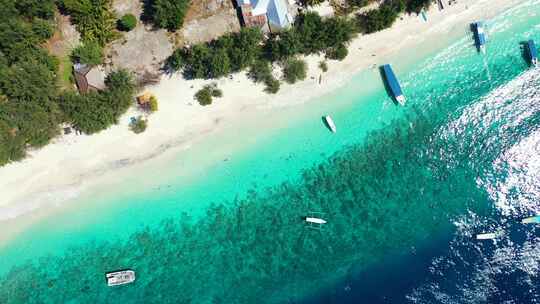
503, 131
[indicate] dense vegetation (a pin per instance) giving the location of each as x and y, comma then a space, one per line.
31, 105
29, 114
247, 49
96, 111
167, 14
229, 53
89, 52
294, 70
94, 19
378, 19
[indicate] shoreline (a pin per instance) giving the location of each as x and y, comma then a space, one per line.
71, 165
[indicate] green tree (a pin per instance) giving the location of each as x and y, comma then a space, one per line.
260, 71
88, 53
94, 19
127, 22
43, 29
337, 53
378, 19
167, 14
219, 64
36, 8
245, 48
294, 70
29, 113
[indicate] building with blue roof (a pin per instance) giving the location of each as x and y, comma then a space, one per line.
274, 13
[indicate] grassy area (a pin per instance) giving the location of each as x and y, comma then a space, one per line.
65, 75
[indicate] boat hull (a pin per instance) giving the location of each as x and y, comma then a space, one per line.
532, 52
531, 220
480, 38
120, 277
330, 123
393, 84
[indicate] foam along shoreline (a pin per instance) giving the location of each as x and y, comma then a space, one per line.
64, 169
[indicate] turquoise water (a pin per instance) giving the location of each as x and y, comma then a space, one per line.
390, 180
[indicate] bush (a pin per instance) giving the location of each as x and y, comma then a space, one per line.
337, 53
127, 23
294, 70
272, 85
167, 14
90, 53
205, 95
260, 71
138, 125
153, 104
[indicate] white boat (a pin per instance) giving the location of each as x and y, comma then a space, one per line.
330, 123
120, 277
489, 236
315, 220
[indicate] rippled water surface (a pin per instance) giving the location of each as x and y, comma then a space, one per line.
404, 192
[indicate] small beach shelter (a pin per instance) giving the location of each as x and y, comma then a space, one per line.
88, 78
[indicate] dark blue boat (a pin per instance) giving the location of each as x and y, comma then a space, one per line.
479, 36
393, 84
533, 52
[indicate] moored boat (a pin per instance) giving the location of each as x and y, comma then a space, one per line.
393, 84
330, 123
531, 220
479, 36
315, 220
532, 52
120, 277
489, 235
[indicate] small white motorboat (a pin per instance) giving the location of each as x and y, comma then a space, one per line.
120, 277
330, 123
315, 220
489, 235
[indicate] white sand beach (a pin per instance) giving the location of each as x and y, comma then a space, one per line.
63, 170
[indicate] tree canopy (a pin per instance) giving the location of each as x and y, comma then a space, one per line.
29, 114
96, 111
167, 14
94, 19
